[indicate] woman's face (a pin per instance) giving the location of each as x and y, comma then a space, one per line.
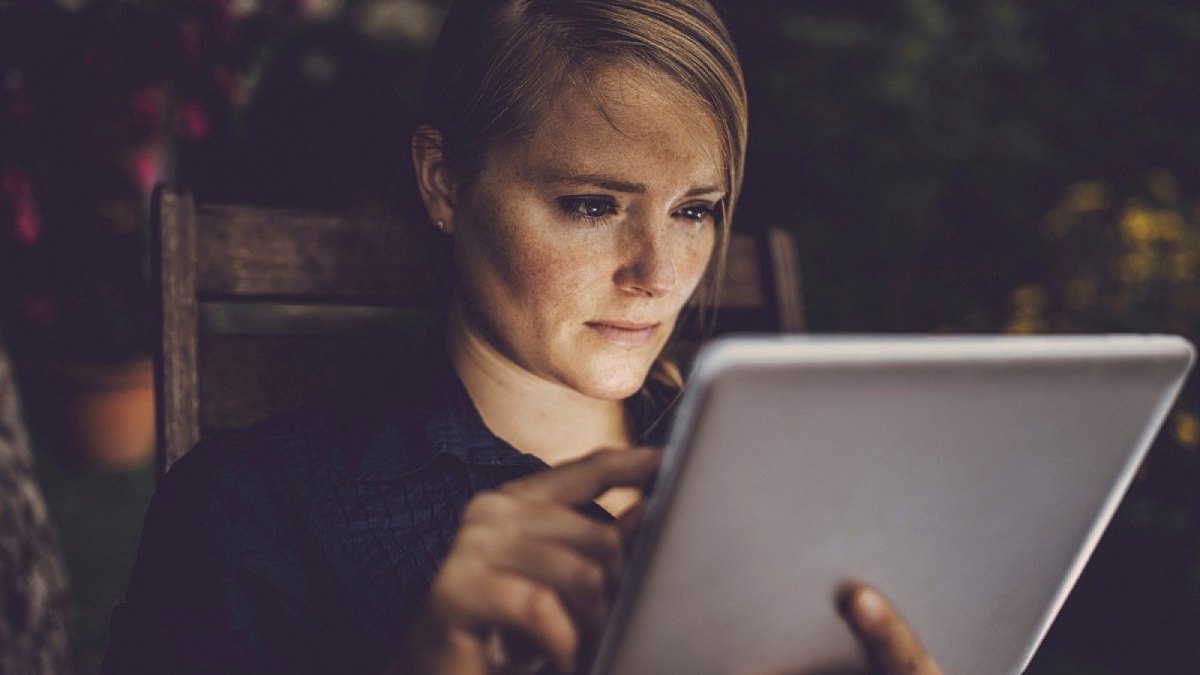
577, 247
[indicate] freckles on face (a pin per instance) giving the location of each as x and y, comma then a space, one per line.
576, 248
516, 270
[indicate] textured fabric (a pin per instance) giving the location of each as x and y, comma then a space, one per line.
33, 583
308, 543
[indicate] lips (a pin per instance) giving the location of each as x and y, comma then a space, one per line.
624, 333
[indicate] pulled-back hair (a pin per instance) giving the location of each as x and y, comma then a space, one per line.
498, 65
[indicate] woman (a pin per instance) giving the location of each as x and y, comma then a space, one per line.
582, 159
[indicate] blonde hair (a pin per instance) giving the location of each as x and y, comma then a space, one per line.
498, 63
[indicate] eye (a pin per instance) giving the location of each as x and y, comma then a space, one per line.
588, 208
698, 213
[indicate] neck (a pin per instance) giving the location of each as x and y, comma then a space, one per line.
535, 415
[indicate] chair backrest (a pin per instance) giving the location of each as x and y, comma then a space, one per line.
257, 307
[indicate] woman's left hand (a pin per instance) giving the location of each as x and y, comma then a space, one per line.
889, 642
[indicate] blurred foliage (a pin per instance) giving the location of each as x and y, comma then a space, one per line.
246, 100
1120, 263
919, 142
326, 111
93, 97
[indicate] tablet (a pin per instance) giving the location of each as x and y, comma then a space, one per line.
967, 478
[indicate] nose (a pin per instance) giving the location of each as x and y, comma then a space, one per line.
648, 269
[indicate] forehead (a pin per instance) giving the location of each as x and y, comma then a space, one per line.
625, 121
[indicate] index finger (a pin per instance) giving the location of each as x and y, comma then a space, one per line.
581, 481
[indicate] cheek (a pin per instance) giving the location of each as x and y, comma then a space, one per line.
518, 262
544, 272
693, 261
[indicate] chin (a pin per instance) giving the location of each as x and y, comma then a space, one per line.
612, 381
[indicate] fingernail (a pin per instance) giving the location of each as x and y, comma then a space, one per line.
869, 605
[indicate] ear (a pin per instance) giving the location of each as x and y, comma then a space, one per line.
433, 177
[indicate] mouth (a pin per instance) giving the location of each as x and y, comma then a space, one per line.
624, 333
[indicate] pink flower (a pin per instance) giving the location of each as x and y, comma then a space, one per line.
193, 122
27, 225
16, 188
147, 166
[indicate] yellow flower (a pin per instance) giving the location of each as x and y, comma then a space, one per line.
1169, 226
1030, 297
1081, 198
1137, 225
1187, 429
1025, 325
1084, 196
1028, 305
1137, 266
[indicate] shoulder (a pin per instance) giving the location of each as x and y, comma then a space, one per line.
327, 438
260, 542
257, 460
229, 572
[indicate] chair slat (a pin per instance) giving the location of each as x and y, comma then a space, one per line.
245, 378
789, 293
253, 251
742, 285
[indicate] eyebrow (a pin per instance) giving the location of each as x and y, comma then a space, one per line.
611, 183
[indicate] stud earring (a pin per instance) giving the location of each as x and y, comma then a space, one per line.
440, 225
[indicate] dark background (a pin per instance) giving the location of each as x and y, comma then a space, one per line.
969, 166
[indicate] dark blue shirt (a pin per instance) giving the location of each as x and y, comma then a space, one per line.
308, 542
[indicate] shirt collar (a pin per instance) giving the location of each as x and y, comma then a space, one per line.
428, 414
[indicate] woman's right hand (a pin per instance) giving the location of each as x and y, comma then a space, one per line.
525, 561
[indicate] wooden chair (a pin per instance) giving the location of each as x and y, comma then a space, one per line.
258, 308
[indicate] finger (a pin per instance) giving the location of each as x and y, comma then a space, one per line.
496, 518
517, 603
883, 633
583, 584
583, 480
538, 612
629, 522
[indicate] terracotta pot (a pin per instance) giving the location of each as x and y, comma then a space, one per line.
107, 412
